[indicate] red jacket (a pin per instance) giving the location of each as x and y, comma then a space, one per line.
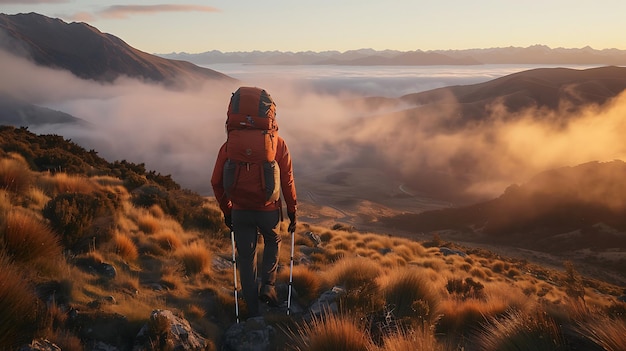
287, 184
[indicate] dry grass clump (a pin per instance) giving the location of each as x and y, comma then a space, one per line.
411, 296
521, 331
59, 183
603, 332
168, 240
156, 211
353, 273
35, 199
148, 223
306, 282
108, 181
125, 247
195, 258
358, 276
15, 175
331, 332
25, 238
422, 339
17, 298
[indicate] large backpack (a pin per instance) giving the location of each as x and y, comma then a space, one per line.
251, 173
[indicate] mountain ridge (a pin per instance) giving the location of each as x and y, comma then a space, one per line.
91, 54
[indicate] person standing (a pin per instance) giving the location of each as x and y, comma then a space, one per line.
251, 168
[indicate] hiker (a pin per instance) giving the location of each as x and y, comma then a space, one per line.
252, 167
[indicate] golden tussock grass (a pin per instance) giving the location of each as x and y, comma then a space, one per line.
421, 338
518, 330
195, 258
108, 181
331, 332
15, 175
125, 247
391, 260
306, 282
358, 276
35, 199
59, 183
352, 273
411, 295
173, 280
26, 238
604, 332
168, 239
195, 312
477, 272
156, 211
17, 298
148, 223
434, 263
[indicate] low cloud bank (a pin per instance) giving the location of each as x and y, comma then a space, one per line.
179, 132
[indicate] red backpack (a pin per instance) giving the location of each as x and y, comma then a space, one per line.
251, 173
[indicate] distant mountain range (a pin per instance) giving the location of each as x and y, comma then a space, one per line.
536, 54
91, 54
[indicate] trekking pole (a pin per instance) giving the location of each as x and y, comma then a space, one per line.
290, 275
232, 238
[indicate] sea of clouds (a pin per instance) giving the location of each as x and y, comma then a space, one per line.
179, 132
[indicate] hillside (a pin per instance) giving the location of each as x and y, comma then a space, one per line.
99, 255
91, 54
556, 89
17, 113
569, 212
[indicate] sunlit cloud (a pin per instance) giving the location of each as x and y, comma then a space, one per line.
124, 11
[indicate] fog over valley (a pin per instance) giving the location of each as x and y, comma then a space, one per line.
336, 137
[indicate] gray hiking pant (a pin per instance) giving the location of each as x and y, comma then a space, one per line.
246, 225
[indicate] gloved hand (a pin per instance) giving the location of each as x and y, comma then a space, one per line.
228, 220
292, 221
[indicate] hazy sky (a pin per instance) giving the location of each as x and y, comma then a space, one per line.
197, 26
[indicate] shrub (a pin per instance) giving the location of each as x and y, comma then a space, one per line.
329, 333
72, 215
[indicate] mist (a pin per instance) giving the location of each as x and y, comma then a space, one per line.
327, 130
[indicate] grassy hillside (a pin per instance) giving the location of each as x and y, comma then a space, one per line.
88, 248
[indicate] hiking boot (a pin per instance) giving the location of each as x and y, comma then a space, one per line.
269, 296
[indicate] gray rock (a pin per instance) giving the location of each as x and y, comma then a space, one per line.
168, 332
252, 335
317, 241
40, 345
447, 252
327, 302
